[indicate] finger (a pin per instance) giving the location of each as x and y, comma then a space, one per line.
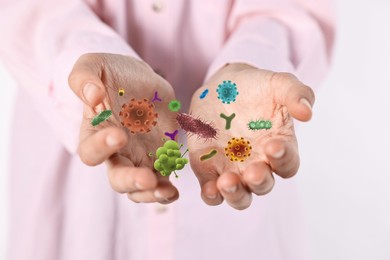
85, 80
283, 158
210, 193
99, 146
165, 193
231, 188
207, 176
258, 177
124, 177
297, 97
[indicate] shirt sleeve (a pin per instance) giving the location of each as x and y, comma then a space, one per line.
280, 35
41, 40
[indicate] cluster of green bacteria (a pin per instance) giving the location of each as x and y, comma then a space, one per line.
169, 158
259, 124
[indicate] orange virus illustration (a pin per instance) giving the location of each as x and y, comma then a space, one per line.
238, 149
138, 116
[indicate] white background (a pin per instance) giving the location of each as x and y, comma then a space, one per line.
345, 172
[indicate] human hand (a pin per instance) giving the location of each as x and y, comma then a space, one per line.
96, 79
263, 95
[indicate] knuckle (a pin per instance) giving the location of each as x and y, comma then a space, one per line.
311, 93
131, 198
291, 172
87, 160
87, 57
241, 206
265, 189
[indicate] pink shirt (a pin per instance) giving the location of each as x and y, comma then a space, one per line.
62, 209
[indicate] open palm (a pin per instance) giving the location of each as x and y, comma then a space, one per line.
263, 95
130, 169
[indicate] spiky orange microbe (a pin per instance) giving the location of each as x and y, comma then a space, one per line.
138, 116
238, 149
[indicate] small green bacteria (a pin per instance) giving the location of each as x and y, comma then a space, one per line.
101, 117
174, 105
228, 119
259, 125
169, 158
209, 155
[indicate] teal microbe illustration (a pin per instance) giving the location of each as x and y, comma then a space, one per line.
169, 158
227, 92
101, 117
174, 105
259, 125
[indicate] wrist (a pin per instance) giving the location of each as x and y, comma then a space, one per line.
228, 69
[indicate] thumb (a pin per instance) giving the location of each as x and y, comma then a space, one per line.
85, 79
297, 97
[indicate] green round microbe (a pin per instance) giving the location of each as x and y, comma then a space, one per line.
170, 152
261, 124
252, 125
160, 151
171, 144
165, 173
174, 105
163, 158
179, 161
267, 124
101, 117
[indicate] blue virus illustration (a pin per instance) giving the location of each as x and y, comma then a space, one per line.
227, 92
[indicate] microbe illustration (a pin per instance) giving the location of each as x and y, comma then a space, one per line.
209, 155
169, 158
138, 116
196, 126
121, 92
228, 120
172, 135
227, 92
259, 125
156, 98
238, 149
101, 117
174, 105
204, 94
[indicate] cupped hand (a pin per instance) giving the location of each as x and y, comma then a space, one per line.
96, 80
262, 95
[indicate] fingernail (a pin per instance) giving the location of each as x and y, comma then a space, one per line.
111, 141
158, 194
278, 154
138, 186
90, 91
305, 102
211, 196
231, 189
257, 182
